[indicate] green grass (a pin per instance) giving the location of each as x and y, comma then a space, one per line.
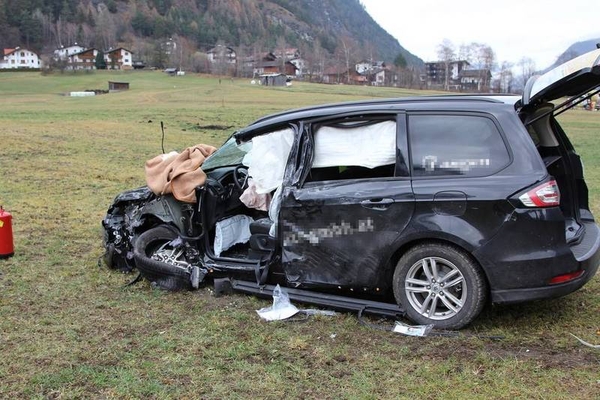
68, 329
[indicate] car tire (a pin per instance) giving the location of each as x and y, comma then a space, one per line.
171, 274
441, 285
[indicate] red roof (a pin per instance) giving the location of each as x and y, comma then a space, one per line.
8, 51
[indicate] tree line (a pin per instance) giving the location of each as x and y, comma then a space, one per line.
509, 77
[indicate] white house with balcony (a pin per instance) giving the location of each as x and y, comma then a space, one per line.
222, 54
64, 52
119, 58
85, 59
20, 58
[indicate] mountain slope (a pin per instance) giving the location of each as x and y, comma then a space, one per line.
576, 49
340, 28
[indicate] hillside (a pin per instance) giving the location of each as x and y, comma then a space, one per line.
340, 29
576, 49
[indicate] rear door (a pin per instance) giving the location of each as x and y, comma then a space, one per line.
350, 204
457, 159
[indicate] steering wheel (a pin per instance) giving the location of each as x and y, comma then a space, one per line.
240, 177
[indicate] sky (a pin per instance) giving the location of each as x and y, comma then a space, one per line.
539, 29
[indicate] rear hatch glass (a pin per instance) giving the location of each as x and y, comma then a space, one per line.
571, 79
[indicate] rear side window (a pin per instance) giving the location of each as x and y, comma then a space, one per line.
451, 145
357, 149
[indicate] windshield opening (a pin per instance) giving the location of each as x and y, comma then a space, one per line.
227, 155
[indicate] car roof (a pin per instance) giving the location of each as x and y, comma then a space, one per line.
467, 102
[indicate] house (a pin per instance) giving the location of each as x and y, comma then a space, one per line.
119, 58
475, 80
64, 52
301, 66
337, 75
367, 66
435, 73
169, 47
275, 67
381, 77
333, 75
84, 59
19, 58
268, 56
222, 54
287, 54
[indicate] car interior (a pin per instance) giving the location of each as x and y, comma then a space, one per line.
241, 230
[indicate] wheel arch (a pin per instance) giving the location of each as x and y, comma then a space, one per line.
454, 242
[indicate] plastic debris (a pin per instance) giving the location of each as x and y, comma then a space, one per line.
312, 311
412, 330
282, 308
593, 346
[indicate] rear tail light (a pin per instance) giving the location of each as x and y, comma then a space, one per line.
544, 195
566, 277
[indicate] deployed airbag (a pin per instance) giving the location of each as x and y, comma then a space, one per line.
267, 159
231, 231
367, 146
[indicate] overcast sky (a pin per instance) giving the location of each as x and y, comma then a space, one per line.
539, 29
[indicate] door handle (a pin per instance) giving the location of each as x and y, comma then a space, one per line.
378, 204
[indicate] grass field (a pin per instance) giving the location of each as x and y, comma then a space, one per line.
69, 329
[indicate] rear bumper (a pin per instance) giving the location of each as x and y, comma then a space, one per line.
587, 254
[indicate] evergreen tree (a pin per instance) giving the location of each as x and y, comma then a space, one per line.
100, 63
400, 61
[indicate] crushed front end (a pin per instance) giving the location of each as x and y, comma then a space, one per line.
122, 219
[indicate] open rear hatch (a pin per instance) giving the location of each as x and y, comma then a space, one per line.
572, 82
579, 77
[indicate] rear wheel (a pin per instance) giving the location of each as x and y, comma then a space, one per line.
440, 285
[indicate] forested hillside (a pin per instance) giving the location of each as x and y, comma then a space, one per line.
337, 28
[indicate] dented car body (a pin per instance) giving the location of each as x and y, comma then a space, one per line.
429, 207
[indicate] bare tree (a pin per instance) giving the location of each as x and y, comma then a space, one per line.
446, 54
486, 60
527, 70
243, 66
57, 31
220, 64
346, 54
466, 52
105, 28
70, 33
506, 78
281, 50
482, 58
316, 62
45, 21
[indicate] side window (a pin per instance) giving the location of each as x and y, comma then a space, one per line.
450, 145
356, 149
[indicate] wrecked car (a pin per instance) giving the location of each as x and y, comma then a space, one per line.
429, 207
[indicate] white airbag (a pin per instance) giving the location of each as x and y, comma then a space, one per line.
231, 231
365, 146
267, 159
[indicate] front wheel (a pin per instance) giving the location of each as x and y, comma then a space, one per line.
161, 259
440, 285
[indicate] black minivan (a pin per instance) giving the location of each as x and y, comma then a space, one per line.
428, 207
